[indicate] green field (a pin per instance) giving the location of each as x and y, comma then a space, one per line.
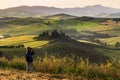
35, 26
25, 40
110, 41
23, 30
87, 50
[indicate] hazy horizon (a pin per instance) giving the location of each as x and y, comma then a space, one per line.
59, 3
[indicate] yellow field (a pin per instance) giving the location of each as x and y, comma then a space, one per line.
26, 40
101, 28
110, 41
36, 43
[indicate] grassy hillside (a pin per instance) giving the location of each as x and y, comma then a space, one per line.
25, 40
110, 52
59, 68
79, 28
77, 55
68, 47
110, 41
63, 46
60, 17
16, 30
30, 26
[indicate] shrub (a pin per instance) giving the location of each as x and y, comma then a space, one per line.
4, 62
17, 63
67, 65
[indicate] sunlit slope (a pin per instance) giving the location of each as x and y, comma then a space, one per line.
58, 47
110, 41
114, 32
25, 40
72, 27
60, 17
69, 26
62, 47
24, 30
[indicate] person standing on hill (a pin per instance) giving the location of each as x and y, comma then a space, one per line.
29, 59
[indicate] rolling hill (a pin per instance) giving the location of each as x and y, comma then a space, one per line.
60, 17
82, 28
66, 46
86, 27
62, 46
63, 43
115, 15
38, 11
25, 40
33, 26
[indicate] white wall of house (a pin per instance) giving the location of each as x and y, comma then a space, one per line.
1, 37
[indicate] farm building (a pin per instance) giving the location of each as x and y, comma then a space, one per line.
4, 36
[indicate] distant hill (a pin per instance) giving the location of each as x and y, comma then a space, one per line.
115, 15
66, 46
27, 11
38, 11
61, 16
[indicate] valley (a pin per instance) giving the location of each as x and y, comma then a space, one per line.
64, 40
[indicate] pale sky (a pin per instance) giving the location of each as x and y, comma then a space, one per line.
59, 3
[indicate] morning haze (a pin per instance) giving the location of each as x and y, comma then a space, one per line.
58, 3
59, 40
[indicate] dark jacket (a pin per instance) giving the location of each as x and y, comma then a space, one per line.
29, 55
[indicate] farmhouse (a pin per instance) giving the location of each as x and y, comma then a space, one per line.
4, 36
1, 37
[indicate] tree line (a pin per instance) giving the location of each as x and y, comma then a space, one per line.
13, 46
49, 35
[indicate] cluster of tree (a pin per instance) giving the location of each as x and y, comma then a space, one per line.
117, 44
48, 35
13, 46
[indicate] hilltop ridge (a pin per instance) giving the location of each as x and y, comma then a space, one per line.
38, 11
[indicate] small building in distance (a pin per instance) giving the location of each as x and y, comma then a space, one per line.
1, 36
4, 36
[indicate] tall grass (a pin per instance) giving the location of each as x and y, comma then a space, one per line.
67, 65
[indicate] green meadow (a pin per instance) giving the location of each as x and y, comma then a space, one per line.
87, 51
